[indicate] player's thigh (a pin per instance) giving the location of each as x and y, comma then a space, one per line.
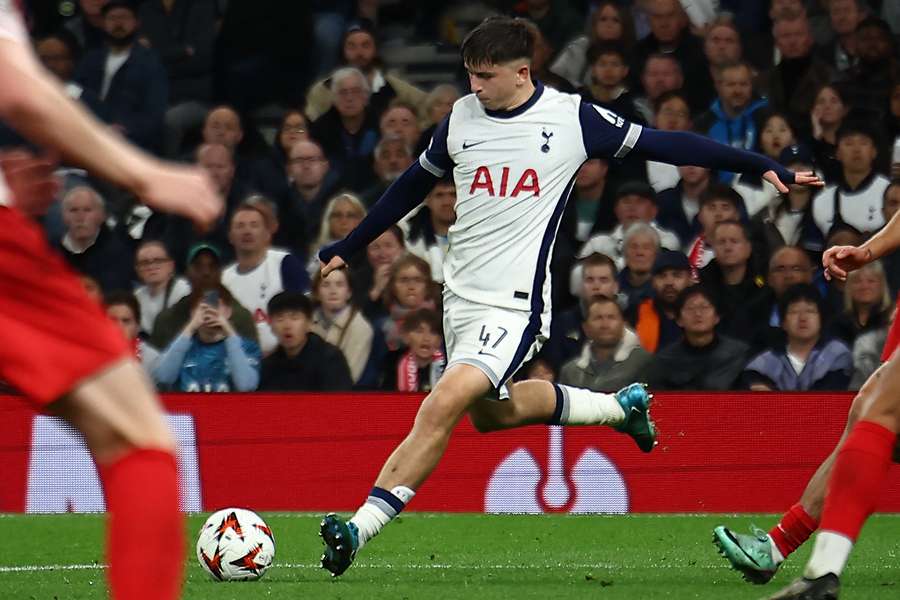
457, 389
117, 410
882, 395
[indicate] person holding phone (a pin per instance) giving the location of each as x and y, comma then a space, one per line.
208, 355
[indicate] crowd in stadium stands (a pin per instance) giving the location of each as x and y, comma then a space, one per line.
678, 276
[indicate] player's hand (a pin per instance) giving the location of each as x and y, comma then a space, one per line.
800, 178
183, 191
840, 260
33, 186
334, 264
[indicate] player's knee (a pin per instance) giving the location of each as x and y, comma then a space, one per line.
440, 411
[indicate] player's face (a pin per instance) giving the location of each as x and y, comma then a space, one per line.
698, 316
661, 75
731, 246
829, 107
598, 281
124, 318
223, 126
496, 85
722, 45
640, 252
693, 175
384, 250
775, 137
856, 153
359, 50
411, 287
609, 70
307, 165
735, 87
667, 284
291, 327
787, 268
714, 212
604, 324
802, 321
343, 219
249, 232
674, 115
153, 264
866, 288
423, 342
294, 129
442, 203
633, 208
891, 202
334, 292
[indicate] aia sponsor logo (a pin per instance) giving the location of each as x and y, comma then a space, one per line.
499, 184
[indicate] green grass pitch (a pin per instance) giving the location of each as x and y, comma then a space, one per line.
454, 556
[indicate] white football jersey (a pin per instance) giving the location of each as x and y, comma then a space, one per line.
513, 172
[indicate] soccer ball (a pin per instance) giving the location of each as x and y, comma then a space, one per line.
235, 545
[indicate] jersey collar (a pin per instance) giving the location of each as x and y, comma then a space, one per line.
509, 114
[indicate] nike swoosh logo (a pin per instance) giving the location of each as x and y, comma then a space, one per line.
488, 354
467, 145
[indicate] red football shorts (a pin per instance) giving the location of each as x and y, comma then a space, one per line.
893, 339
52, 335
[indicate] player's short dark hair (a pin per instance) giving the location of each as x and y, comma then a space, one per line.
695, 290
799, 293
124, 298
604, 48
720, 191
598, 259
290, 302
422, 316
498, 40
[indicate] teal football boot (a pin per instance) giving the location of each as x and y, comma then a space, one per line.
341, 540
635, 401
749, 554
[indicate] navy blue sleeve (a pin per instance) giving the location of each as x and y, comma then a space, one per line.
685, 148
406, 193
605, 134
294, 277
436, 159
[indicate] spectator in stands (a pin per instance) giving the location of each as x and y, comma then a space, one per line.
788, 220
181, 33
160, 287
58, 52
339, 322
294, 128
428, 228
733, 278
718, 203
123, 308
670, 113
792, 84
892, 122
91, 288
890, 207
303, 361
608, 87
400, 120
867, 304
722, 44
612, 356
87, 26
260, 271
640, 248
222, 125
348, 131
655, 318
856, 199
733, 118
609, 23
312, 184
370, 278
869, 82
393, 155
209, 355
702, 359
775, 135
807, 360
409, 288
341, 215
537, 368
204, 273
89, 245
845, 16
662, 73
438, 104
828, 112
128, 79
635, 203
680, 205
360, 51
417, 365
866, 352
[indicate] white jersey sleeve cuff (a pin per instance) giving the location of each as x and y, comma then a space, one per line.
631, 138
430, 166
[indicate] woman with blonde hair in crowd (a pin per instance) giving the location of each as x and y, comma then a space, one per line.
867, 303
339, 322
341, 215
437, 105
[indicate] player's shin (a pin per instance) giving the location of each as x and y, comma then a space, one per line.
579, 406
380, 508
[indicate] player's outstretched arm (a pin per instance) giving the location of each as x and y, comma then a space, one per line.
685, 148
840, 260
35, 105
406, 193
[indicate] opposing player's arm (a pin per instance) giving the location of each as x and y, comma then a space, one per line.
406, 193
840, 260
885, 241
607, 135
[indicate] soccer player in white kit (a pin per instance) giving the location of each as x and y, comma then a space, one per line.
514, 148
